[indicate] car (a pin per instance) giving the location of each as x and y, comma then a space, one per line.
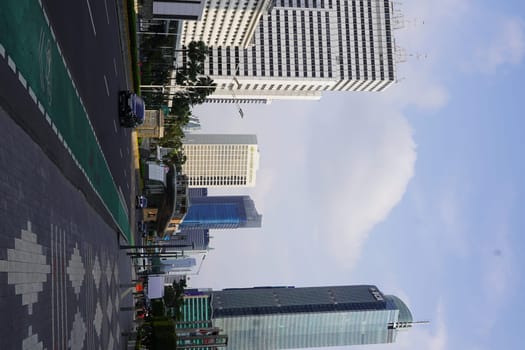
141, 202
142, 228
132, 109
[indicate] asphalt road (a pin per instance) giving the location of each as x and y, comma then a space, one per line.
73, 116
88, 34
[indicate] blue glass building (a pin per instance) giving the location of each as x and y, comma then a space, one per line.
272, 318
221, 212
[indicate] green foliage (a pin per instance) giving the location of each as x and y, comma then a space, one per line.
132, 29
157, 307
158, 333
174, 297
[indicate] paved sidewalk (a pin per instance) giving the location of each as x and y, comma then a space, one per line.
60, 263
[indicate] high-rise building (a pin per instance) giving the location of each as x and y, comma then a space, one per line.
191, 239
221, 212
194, 327
226, 23
216, 160
176, 9
271, 318
305, 47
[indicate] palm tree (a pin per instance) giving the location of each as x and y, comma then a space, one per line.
197, 51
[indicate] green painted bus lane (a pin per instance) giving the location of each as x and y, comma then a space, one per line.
31, 50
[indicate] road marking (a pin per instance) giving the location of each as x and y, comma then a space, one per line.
125, 172
115, 125
115, 66
106, 82
41, 108
91, 16
123, 200
47, 19
22, 80
11, 64
106, 6
32, 94
126, 292
2, 52
121, 155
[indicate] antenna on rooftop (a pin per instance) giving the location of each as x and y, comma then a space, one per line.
405, 325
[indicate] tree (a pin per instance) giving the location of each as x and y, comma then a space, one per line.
197, 51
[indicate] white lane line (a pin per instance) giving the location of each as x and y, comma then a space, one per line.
115, 66
91, 16
32, 94
106, 6
2, 52
121, 155
45, 17
123, 200
115, 125
106, 82
41, 108
23, 80
11, 64
125, 172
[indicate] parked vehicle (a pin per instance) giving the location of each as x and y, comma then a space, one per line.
142, 228
131, 109
141, 202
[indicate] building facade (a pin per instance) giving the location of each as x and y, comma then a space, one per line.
221, 212
192, 239
178, 9
217, 160
303, 48
272, 318
226, 23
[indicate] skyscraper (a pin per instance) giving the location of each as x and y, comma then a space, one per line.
271, 318
192, 239
215, 160
226, 23
305, 47
221, 212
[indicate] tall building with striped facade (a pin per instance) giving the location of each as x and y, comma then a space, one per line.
219, 160
303, 48
271, 318
226, 22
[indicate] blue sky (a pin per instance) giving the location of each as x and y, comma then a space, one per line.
418, 189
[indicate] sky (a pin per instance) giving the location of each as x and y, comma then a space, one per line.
417, 189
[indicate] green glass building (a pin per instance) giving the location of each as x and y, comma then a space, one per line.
270, 318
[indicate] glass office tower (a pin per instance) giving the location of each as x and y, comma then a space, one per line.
221, 212
284, 318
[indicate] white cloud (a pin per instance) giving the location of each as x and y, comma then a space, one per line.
506, 46
360, 174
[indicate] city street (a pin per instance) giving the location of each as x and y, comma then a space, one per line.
67, 187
